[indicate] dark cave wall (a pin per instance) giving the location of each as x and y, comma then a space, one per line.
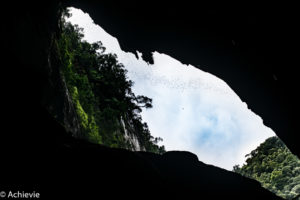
30, 83
38, 82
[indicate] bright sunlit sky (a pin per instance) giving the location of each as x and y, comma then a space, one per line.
192, 110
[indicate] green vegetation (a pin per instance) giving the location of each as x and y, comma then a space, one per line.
275, 167
101, 92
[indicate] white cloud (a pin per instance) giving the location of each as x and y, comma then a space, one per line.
192, 110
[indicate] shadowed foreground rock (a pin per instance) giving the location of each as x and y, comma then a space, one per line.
134, 175
50, 161
71, 168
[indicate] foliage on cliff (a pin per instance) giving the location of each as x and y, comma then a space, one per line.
275, 167
101, 92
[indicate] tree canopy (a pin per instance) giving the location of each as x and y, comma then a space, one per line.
275, 167
101, 92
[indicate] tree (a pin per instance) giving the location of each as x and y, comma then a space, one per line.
101, 91
272, 164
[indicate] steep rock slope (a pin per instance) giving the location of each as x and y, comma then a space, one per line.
99, 91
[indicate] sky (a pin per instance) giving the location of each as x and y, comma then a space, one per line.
192, 110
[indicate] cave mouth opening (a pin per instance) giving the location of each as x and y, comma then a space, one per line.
192, 109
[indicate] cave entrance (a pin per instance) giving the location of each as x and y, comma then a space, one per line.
192, 109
